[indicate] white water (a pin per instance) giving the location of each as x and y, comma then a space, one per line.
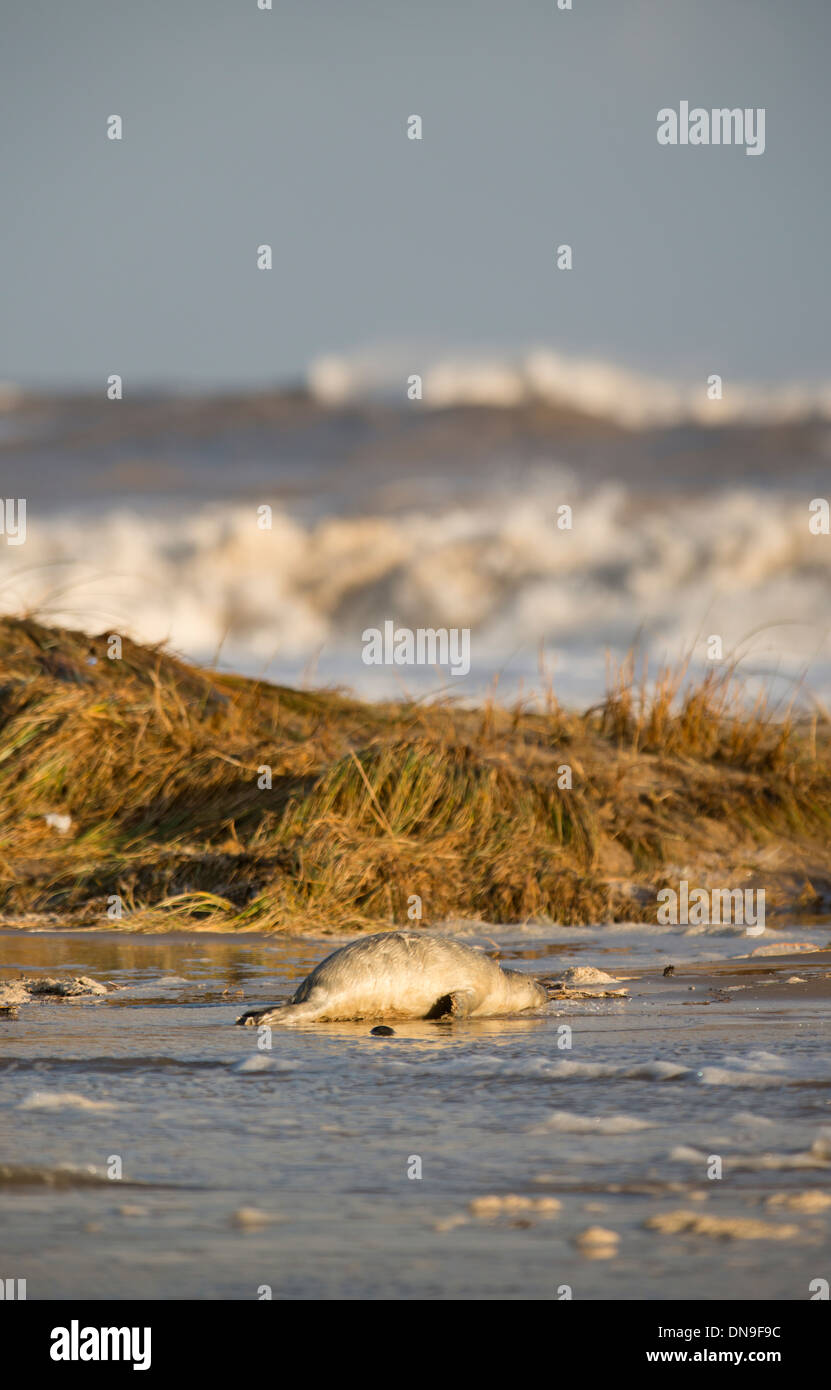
742, 565
600, 388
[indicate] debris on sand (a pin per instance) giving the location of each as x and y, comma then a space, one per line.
565, 992
523, 1210
511, 1204
695, 1223
13, 994
28, 987
809, 1201
576, 982
598, 1242
450, 1223
252, 1218
586, 975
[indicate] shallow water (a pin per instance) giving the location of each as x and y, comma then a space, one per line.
318, 1134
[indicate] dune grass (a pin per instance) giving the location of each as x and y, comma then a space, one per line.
160, 767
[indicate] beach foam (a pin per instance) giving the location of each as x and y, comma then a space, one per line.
563, 1122
63, 1100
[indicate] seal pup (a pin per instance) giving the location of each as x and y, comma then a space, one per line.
405, 974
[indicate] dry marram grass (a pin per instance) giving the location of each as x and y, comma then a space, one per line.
157, 765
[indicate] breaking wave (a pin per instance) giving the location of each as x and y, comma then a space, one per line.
63, 1176
635, 399
206, 578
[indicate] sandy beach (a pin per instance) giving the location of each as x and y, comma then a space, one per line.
540, 1166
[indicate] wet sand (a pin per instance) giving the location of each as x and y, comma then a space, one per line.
541, 1165
795, 976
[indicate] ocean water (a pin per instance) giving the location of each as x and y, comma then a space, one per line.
688, 519
289, 1170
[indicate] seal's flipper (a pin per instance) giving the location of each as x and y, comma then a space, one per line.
283, 1014
251, 1017
460, 1003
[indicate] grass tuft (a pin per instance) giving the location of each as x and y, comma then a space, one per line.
158, 765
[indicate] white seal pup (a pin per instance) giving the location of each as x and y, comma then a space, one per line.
405, 974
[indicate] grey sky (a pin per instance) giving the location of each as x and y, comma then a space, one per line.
242, 127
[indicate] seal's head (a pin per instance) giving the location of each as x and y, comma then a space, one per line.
525, 992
